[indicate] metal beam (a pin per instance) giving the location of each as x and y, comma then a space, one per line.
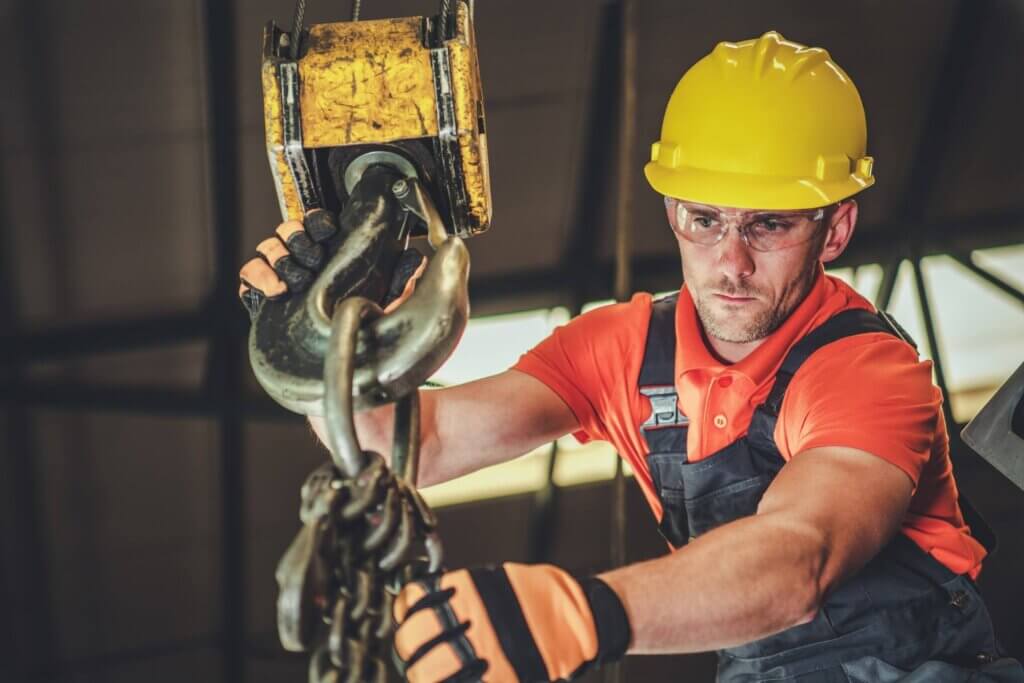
933, 338
944, 114
623, 282
994, 280
151, 400
543, 514
881, 242
227, 350
656, 272
890, 272
591, 207
30, 632
104, 337
874, 244
584, 239
943, 110
957, 453
624, 218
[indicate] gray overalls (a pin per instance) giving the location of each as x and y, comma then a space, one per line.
903, 617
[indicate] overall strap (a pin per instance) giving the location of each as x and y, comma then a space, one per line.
844, 324
665, 430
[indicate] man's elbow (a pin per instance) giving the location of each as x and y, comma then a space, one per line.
809, 577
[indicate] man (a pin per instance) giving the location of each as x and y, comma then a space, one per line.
786, 435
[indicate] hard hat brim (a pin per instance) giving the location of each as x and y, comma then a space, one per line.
743, 191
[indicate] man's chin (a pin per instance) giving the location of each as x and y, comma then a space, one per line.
735, 336
733, 328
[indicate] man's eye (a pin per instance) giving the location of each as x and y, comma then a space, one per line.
771, 225
702, 221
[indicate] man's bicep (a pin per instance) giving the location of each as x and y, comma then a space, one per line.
870, 393
850, 500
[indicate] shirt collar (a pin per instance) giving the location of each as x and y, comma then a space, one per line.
693, 354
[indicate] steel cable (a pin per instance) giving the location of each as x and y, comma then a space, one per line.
300, 12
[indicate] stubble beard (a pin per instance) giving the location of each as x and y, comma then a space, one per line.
765, 321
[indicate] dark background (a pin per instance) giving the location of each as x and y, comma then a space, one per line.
147, 488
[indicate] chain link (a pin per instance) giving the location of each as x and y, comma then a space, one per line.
363, 537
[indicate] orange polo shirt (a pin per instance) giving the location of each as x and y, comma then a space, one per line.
869, 392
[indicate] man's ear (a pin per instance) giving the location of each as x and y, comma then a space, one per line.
840, 229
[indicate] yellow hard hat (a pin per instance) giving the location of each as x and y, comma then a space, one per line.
763, 124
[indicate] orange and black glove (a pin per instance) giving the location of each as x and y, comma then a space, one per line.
289, 262
514, 623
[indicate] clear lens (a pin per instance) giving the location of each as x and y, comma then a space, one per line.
762, 231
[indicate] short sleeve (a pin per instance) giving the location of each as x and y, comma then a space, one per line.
869, 392
592, 362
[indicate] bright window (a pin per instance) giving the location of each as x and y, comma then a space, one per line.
980, 331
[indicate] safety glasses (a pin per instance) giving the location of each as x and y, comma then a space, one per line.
760, 230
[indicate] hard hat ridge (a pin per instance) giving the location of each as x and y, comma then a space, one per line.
763, 123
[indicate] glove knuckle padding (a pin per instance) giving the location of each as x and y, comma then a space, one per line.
258, 275
297, 277
321, 224
304, 250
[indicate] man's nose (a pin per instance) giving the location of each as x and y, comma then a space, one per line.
734, 255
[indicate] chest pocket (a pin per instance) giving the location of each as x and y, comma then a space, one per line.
728, 484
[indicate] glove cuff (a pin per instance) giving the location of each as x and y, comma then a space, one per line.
610, 620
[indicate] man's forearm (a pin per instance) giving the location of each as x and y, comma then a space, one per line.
743, 581
375, 429
473, 425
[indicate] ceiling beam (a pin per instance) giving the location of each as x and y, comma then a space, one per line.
107, 336
162, 401
945, 109
226, 354
500, 293
597, 161
30, 633
659, 272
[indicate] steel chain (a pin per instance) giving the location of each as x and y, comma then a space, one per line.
363, 537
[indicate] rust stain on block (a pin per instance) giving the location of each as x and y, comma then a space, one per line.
366, 82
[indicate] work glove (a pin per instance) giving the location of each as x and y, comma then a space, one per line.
289, 262
514, 623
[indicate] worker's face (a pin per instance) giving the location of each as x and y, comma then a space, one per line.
747, 270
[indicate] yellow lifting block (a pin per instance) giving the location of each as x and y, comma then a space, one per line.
404, 88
